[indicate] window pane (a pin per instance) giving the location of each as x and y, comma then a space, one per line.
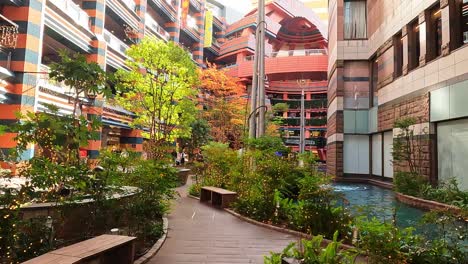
464, 25
355, 21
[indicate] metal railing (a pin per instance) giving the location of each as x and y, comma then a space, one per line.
74, 11
115, 42
292, 53
58, 87
154, 26
130, 4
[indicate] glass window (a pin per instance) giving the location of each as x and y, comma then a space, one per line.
414, 45
355, 19
398, 46
464, 21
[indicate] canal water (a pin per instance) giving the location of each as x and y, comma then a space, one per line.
370, 200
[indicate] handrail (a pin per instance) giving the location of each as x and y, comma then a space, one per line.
156, 27
74, 11
130, 4
114, 42
292, 53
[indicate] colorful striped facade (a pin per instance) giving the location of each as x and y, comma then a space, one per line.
102, 30
296, 59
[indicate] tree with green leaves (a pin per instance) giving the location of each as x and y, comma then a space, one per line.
160, 90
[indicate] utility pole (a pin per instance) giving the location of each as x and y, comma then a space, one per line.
257, 94
302, 129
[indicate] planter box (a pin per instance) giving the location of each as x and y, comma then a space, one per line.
425, 204
183, 176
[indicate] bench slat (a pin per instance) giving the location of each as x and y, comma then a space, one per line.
218, 190
50, 258
93, 246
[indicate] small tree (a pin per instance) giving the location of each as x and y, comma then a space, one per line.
159, 89
225, 109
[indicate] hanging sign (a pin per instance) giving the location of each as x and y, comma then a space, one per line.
208, 29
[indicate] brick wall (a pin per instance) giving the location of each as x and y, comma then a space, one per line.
417, 107
335, 123
335, 159
423, 156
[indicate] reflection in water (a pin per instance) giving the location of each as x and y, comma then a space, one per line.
366, 199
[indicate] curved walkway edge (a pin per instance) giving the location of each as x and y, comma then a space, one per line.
156, 247
202, 234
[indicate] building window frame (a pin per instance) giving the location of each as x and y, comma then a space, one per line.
352, 31
433, 32
398, 55
414, 45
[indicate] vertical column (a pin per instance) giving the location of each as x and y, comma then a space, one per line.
25, 63
173, 28
131, 140
141, 12
404, 43
96, 9
335, 121
451, 31
198, 46
423, 37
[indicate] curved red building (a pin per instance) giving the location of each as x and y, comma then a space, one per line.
296, 60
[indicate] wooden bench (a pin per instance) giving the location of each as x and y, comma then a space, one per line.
217, 196
105, 249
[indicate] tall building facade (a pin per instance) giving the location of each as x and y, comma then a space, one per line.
394, 59
34, 31
296, 60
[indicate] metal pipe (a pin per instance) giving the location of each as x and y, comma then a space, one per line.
302, 138
261, 73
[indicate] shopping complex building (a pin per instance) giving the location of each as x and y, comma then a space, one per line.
394, 59
34, 31
295, 61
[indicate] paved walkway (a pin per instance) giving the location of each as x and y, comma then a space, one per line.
201, 234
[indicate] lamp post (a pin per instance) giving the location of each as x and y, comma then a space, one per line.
302, 83
257, 95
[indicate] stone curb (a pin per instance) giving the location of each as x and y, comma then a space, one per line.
156, 247
193, 197
425, 204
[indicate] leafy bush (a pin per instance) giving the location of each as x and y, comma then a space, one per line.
312, 252
409, 183
195, 189
447, 192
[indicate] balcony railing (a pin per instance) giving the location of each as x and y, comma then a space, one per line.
318, 142
156, 28
130, 4
296, 121
74, 11
292, 53
308, 104
196, 4
57, 87
115, 42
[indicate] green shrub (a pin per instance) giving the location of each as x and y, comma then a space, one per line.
313, 252
447, 192
409, 183
194, 190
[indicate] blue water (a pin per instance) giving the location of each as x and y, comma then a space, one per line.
370, 200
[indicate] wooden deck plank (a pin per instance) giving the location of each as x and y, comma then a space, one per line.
51, 258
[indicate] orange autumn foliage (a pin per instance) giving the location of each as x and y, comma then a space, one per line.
225, 108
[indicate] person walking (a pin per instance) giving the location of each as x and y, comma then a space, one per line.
183, 156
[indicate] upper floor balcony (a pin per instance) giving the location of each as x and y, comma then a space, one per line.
126, 11
168, 8
115, 43
155, 28
196, 4
73, 11
315, 65
272, 27
234, 44
116, 49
